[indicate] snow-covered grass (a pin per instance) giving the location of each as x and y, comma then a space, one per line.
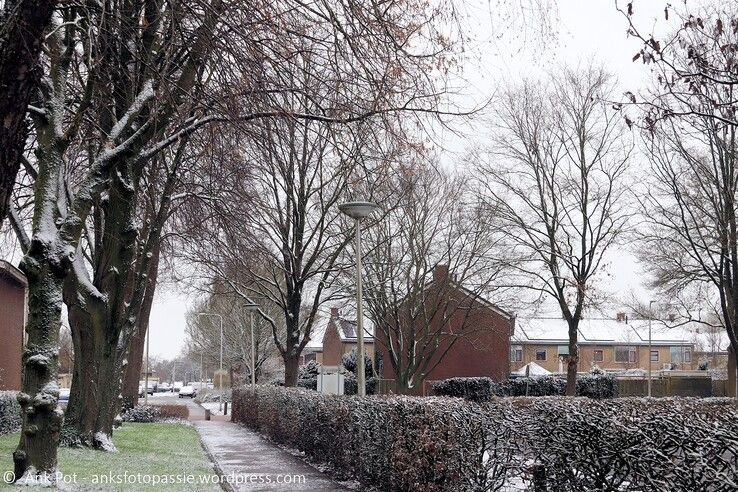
157, 449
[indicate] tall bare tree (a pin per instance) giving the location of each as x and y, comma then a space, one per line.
429, 268
555, 179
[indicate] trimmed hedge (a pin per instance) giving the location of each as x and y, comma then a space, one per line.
393, 443
10, 412
432, 444
483, 389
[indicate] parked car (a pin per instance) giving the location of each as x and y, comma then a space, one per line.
164, 387
64, 394
177, 386
151, 387
188, 391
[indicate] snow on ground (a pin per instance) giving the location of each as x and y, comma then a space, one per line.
214, 407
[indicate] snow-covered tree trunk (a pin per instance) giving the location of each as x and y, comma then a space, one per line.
45, 265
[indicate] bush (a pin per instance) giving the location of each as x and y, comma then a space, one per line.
307, 376
10, 412
174, 412
393, 443
593, 385
155, 413
348, 361
474, 389
409, 443
350, 385
141, 413
619, 444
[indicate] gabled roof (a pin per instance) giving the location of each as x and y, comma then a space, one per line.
602, 331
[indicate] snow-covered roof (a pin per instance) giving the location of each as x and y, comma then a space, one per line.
347, 330
601, 331
535, 370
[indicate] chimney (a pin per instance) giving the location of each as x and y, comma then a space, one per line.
440, 273
334, 313
622, 317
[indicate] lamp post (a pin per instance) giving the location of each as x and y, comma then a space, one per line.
146, 377
220, 377
252, 308
359, 211
650, 317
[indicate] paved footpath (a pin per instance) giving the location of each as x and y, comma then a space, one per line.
238, 452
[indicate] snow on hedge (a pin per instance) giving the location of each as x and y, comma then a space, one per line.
10, 412
406, 443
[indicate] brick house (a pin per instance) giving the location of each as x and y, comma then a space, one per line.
339, 338
614, 344
13, 286
474, 340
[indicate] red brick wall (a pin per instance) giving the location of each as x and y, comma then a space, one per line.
12, 316
482, 350
332, 347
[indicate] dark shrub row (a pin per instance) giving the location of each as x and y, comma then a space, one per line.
10, 412
395, 443
155, 413
483, 389
561, 444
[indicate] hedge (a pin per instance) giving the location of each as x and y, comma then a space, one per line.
483, 389
408, 443
10, 412
393, 443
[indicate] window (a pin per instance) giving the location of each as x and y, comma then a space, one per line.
654, 356
681, 354
598, 356
625, 354
540, 355
563, 351
516, 353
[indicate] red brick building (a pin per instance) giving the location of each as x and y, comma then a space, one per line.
339, 338
12, 318
473, 341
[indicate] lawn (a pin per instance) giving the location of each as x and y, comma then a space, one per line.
167, 453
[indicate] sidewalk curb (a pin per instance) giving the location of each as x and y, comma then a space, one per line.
224, 484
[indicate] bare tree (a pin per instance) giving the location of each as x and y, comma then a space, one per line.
204, 336
694, 63
555, 181
23, 24
690, 211
429, 267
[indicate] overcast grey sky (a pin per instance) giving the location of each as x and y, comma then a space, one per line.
587, 29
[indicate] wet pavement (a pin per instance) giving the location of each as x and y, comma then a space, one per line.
248, 462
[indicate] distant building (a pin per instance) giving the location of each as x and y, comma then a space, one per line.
13, 286
474, 341
340, 337
615, 344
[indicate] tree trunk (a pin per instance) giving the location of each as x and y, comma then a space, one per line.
35, 458
24, 23
732, 388
573, 359
138, 340
291, 368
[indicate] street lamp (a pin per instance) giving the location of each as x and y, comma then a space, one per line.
252, 308
359, 211
220, 405
650, 317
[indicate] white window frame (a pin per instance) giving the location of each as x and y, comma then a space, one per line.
631, 354
516, 350
657, 353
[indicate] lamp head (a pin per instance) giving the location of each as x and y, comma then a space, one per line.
358, 210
